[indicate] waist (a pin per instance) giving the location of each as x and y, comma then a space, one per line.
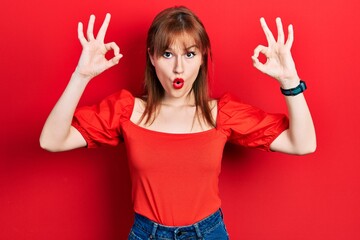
198, 229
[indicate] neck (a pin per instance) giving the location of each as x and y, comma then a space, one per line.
186, 100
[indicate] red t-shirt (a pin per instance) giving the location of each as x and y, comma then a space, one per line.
175, 176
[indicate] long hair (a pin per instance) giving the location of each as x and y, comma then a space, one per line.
166, 26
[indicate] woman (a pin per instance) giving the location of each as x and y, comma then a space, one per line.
175, 134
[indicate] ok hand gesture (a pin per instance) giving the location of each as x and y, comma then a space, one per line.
92, 60
279, 64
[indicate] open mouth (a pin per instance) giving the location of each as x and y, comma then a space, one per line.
178, 83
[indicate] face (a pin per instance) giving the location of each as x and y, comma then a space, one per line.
178, 67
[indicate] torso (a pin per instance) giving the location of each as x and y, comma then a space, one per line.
174, 174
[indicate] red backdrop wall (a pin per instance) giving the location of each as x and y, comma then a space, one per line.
85, 194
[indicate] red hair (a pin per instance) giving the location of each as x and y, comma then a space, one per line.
165, 28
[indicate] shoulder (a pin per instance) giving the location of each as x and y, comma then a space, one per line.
213, 104
138, 110
118, 104
122, 100
227, 104
231, 110
124, 95
224, 100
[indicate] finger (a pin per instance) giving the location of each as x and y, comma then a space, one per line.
280, 30
269, 36
290, 38
257, 64
104, 26
113, 61
260, 49
114, 47
117, 55
90, 28
81, 36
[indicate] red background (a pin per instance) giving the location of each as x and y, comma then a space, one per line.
85, 194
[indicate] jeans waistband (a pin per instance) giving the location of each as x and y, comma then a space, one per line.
200, 228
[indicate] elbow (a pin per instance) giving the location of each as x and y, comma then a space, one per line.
44, 144
306, 149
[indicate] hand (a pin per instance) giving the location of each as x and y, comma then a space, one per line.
92, 60
279, 64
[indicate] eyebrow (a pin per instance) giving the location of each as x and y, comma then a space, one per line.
192, 46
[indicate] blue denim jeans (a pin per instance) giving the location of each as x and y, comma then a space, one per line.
210, 228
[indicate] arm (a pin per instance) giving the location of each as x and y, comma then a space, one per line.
300, 138
57, 133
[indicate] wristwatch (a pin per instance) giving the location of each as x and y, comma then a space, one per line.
294, 91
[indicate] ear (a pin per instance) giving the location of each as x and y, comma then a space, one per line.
151, 57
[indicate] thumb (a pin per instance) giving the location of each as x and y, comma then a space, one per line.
113, 61
257, 64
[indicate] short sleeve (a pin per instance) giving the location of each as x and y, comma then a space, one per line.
100, 124
247, 125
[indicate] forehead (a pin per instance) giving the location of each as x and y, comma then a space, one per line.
182, 41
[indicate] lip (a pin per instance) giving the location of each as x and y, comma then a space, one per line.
178, 83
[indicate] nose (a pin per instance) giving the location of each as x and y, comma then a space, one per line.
179, 66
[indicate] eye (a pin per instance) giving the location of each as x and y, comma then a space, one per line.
167, 55
190, 54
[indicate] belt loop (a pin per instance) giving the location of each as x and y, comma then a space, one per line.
198, 232
153, 233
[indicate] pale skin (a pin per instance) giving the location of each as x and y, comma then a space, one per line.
177, 110
176, 115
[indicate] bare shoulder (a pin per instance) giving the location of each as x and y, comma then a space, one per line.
139, 107
214, 108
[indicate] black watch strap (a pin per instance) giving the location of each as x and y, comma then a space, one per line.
294, 91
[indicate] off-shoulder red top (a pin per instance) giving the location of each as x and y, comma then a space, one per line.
175, 176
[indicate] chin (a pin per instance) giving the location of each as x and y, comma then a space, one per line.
178, 93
